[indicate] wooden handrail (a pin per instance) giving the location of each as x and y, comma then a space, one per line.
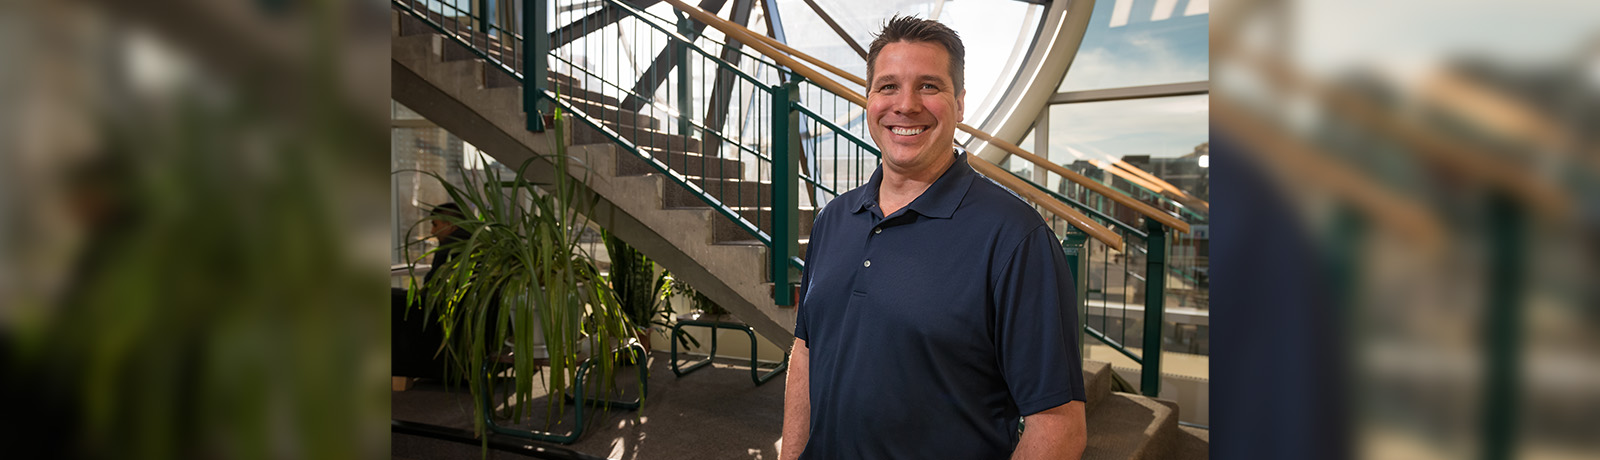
750, 39
762, 47
1295, 158
1159, 185
1117, 170
1149, 211
1072, 216
773, 42
1165, 188
1460, 157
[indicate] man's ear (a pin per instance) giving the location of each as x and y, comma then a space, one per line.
961, 105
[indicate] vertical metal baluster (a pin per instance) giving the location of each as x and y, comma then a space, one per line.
1074, 245
1127, 291
1105, 289
1154, 306
533, 69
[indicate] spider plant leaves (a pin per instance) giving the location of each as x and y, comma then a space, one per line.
521, 277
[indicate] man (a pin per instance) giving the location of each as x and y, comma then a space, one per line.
414, 339
442, 219
936, 306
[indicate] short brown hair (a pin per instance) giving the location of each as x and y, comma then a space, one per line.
916, 30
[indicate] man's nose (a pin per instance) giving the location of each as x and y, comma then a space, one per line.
907, 102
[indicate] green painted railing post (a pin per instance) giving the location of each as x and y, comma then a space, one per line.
483, 20
785, 190
536, 44
1075, 245
1503, 327
680, 50
1155, 287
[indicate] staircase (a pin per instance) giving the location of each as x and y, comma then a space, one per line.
1130, 426
471, 98
703, 245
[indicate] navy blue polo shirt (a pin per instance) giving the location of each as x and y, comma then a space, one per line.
932, 330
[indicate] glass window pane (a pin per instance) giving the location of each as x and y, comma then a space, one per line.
977, 21
1170, 131
1022, 167
1142, 42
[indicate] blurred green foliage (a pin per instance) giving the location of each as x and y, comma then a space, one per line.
221, 296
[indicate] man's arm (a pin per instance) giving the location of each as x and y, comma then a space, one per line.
1055, 433
797, 402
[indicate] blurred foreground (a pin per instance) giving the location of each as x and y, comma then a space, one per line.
194, 217
1411, 193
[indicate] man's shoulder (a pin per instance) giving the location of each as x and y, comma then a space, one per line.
997, 203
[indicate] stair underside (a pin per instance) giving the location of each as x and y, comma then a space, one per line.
455, 94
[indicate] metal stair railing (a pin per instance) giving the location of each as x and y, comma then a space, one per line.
1077, 219
811, 119
1089, 257
1152, 252
1150, 186
749, 108
718, 158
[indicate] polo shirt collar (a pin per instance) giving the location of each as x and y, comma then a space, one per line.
941, 198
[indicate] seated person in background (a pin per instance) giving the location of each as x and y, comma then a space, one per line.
414, 340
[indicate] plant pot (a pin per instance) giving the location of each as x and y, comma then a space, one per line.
626, 355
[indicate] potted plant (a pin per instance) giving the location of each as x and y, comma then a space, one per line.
641, 289
521, 288
699, 303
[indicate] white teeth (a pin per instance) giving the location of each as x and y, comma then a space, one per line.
907, 131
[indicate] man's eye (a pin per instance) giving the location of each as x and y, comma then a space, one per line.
930, 86
885, 87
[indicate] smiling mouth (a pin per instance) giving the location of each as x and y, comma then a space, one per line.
907, 131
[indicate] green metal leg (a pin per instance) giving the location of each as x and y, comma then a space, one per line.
755, 372
580, 383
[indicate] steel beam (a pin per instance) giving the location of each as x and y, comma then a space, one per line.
1132, 92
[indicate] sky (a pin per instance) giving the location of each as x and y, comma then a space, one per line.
1135, 43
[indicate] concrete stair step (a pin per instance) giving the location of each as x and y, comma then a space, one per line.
415, 47
1126, 426
1193, 443
728, 230
492, 45
448, 54
800, 251
407, 25
584, 134
572, 87
686, 163
732, 192
494, 77
411, 25
613, 116
462, 26
1097, 382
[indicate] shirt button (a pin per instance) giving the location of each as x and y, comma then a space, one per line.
867, 263
877, 231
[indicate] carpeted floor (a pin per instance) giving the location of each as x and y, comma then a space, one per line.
714, 413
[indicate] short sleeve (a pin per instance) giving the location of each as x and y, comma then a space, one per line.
800, 303
805, 282
1036, 325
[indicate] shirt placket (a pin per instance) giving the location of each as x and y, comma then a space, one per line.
865, 269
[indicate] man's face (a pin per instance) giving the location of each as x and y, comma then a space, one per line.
441, 227
912, 106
